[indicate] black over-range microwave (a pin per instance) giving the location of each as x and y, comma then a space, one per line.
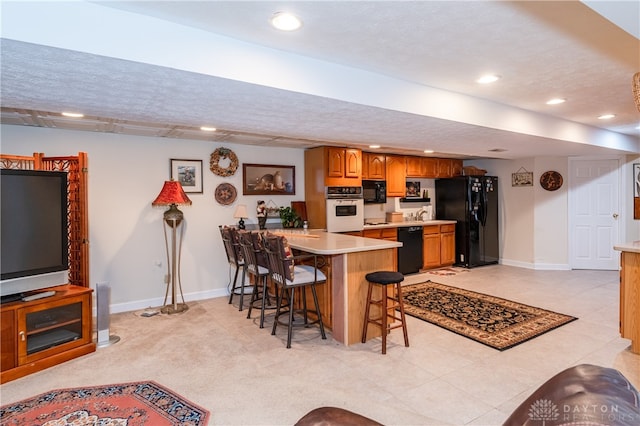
374, 191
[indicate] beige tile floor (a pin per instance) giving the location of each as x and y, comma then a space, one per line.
217, 358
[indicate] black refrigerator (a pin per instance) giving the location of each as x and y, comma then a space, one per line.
473, 202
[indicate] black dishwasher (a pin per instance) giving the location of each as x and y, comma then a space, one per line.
410, 254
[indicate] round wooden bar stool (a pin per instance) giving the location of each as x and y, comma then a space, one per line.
388, 301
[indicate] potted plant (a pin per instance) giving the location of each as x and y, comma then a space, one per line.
289, 218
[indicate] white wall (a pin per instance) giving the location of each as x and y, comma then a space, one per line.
126, 173
126, 238
534, 222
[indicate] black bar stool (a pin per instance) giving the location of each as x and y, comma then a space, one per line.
386, 302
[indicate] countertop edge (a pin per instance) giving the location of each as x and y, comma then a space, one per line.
633, 247
409, 223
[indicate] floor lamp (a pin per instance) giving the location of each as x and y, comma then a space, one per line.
172, 195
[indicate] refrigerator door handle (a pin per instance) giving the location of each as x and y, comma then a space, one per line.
485, 206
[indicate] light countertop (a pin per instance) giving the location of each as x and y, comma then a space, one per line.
633, 246
409, 223
322, 242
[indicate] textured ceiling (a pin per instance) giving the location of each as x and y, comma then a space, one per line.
541, 50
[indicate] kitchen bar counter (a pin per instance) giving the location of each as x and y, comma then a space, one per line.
630, 293
350, 259
321, 242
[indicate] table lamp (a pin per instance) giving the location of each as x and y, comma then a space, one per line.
173, 195
241, 213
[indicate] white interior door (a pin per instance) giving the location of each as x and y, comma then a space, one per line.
593, 205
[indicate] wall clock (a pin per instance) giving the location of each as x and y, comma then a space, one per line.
551, 180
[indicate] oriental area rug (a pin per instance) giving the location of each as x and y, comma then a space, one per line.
127, 404
495, 322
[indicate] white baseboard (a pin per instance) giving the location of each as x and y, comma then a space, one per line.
536, 266
157, 301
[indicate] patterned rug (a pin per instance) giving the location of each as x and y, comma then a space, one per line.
447, 271
127, 404
495, 322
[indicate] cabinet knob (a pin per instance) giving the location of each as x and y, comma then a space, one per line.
22, 336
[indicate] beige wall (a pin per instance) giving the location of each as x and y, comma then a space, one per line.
126, 240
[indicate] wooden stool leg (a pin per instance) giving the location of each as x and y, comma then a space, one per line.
383, 319
404, 322
365, 325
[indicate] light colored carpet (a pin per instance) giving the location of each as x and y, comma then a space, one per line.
215, 357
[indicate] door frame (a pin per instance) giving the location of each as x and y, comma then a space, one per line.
571, 207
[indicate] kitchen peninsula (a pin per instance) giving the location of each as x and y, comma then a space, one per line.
349, 258
630, 293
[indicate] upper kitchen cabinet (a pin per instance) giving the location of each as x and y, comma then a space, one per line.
331, 166
448, 167
396, 175
373, 166
344, 167
427, 167
415, 166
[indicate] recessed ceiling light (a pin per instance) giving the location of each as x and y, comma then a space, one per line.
73, 114
556, 101
489, 78
208, 129
606, 116
285, 21
428, 151
374, 146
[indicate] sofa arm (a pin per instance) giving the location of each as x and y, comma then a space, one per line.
584, 394
332, 416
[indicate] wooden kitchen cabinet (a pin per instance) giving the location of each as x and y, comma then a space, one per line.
456, 168
448, 167
389, 234
373, 166
343, 164
396, 175
414, 166
447, 244
630, 298
42, 333
438, 245
432, 168
430, 247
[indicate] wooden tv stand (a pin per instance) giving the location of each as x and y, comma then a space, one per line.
45, 332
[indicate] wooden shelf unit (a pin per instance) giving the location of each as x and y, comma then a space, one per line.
16, 359
42, 333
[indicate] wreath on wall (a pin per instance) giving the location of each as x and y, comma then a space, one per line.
223, 153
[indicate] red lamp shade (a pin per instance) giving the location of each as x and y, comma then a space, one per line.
171, 193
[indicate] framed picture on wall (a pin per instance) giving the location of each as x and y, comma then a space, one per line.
267, 179
188, 173
636, 180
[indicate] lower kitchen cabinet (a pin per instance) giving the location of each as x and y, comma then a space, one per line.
438, 245
389, 234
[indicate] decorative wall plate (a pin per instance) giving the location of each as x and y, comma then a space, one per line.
551, 180
225, 194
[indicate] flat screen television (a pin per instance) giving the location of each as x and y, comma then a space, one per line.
34, 237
